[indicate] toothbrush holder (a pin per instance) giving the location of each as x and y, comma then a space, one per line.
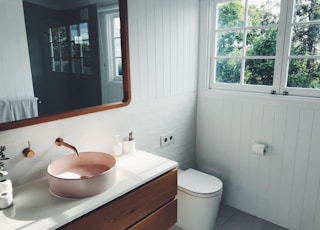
128, 146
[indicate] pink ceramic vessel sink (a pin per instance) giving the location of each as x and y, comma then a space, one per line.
87, 175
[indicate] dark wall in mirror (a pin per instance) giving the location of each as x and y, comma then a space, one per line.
79, 58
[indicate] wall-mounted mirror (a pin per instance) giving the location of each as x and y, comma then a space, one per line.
79, 59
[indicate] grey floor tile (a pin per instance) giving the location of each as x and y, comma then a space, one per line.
175, 228
225, 213
239, 221
233, 219
271, 226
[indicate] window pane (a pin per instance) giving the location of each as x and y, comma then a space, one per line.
117, 47
261, 42
116, 27
263, 12
228, 70
76, 65
305, 40
84, 33
60, 65
118, 67
56, 50
58, 34
307, 10
304, 73
86, 57
230, 43
259, 71
73, 32
56, 65
75, 50
85, 49
64, 49
65, 65
231, 14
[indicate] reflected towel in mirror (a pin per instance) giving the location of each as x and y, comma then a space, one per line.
5, 114
24, 108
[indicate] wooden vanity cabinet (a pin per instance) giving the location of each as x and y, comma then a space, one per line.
150, 206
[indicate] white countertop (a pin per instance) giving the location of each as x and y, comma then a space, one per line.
36, 208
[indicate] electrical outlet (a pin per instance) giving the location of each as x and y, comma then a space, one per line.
166, 139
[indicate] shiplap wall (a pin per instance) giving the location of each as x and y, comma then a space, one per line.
15, 72
284, 185
165, 34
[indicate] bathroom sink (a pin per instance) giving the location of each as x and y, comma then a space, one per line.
81, 176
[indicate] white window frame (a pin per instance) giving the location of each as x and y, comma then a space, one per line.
281, 57
106, 39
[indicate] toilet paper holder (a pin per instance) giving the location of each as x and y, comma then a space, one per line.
259, 148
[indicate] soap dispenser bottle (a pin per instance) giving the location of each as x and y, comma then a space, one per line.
117, 146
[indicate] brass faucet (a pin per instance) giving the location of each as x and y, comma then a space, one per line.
59, 141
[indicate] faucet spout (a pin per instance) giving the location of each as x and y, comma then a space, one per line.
59, 141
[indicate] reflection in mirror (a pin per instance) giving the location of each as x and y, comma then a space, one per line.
79, 60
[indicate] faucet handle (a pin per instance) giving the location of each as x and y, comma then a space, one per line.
28, 152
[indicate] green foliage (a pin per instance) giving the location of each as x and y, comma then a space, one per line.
231, 14
303, 72
228, 70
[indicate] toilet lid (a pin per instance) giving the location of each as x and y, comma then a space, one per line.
199, 182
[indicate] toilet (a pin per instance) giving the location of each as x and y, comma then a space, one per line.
199, 196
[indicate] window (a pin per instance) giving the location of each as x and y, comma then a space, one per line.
266, 45
70, 48
59, 49
110, 34
117, 45
80, 48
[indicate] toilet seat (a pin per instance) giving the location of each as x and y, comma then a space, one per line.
199, 184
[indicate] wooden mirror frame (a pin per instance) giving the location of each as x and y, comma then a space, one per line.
123, 9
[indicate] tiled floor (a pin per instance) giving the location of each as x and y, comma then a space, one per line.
232, 219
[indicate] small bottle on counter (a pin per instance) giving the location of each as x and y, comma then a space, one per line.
117, 146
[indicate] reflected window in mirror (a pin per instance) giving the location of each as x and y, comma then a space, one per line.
70, 47
59, 47
111, 60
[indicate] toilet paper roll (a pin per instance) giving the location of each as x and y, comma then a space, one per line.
6, 200
258, 148
6, 186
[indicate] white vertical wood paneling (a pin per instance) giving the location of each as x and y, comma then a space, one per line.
164, 39
282, 186
180, 47
300, 166
309, 215
16, 81
151, 48
252, 131
159, 53
173, 46
278, 137
246, 117
286, 175
142, 46
264, 162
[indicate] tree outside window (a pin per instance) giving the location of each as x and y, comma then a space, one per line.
70, 48
248, 37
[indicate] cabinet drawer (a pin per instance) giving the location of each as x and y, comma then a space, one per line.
162, 219
132, 207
